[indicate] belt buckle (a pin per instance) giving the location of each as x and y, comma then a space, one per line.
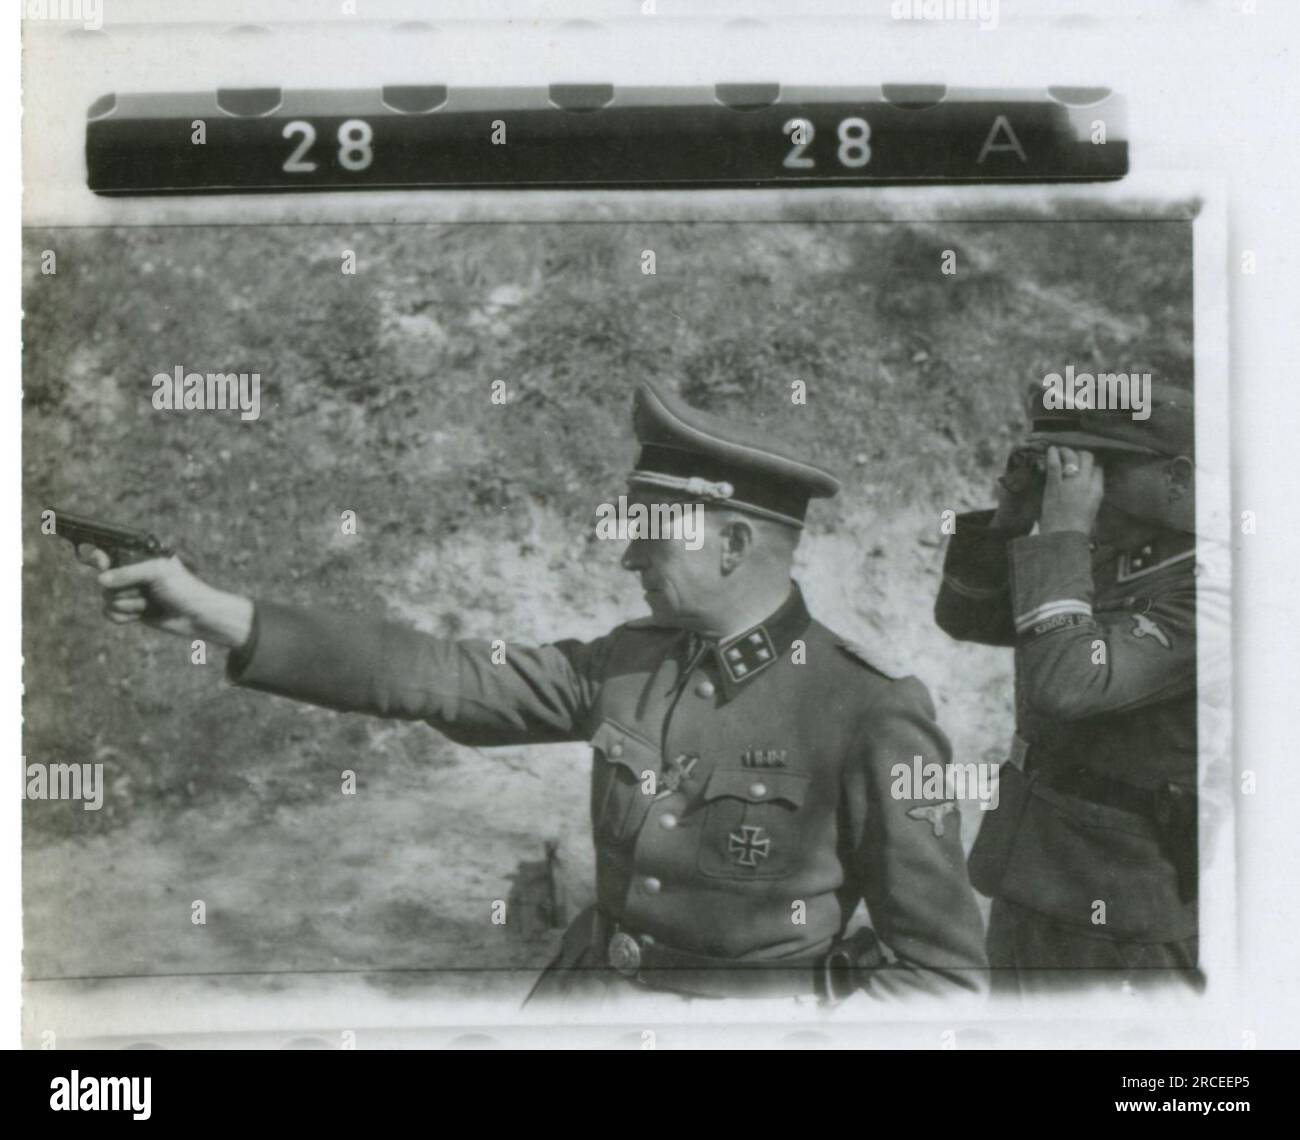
838, 963
623, 953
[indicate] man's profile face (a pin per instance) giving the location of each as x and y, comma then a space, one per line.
680, 584
1137, 488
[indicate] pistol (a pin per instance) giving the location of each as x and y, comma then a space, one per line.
122, 544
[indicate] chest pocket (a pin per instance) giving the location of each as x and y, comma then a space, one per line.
619, 803
753, 823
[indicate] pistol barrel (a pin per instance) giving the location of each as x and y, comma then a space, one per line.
120, 543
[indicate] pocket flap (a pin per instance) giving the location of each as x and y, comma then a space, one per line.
757, 786
620, 746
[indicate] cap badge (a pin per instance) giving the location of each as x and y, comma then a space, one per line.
699, 488
692, 486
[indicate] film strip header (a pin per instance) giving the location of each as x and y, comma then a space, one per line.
599, 136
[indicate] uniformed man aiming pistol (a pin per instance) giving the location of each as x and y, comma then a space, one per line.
1091, 854
741, 780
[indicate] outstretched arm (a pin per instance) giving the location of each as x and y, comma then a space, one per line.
472, 691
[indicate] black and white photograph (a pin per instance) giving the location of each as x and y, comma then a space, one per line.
830, 544
516, 564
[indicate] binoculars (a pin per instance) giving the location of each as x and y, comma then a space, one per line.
1025, 467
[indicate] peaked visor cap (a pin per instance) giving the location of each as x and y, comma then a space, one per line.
1169, 428
702, 457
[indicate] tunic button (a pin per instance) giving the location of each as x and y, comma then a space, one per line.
704, 689
758, 791
652, 885
668, 821
616, 750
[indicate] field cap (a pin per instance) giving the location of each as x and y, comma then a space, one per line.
1169, 430
706, 458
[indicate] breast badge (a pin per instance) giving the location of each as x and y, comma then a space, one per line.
749, 845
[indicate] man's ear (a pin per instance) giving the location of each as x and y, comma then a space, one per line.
1180, 474
737, 542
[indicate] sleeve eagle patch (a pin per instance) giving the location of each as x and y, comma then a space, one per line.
1143, 626
933, 815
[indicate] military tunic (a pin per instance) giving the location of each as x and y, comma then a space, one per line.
741, 798
1098, 801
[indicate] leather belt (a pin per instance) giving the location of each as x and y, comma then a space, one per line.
1089, 785
832, 975
1169, 809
